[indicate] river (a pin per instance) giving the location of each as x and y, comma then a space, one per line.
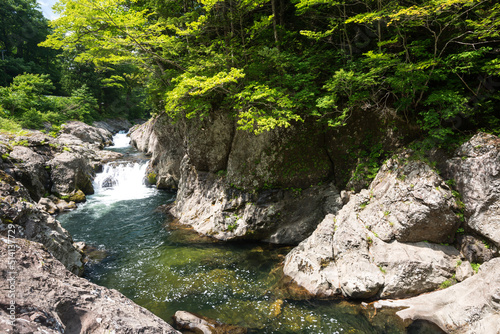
166, 268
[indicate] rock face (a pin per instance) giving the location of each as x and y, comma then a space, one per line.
212, 207
476, 171
234, 184
472, 306
71, 171
28, 221
374, 246
49, 299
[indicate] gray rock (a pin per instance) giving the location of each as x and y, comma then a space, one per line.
87, 133
472, 306
311, 264
30, 222
212, 207
198, 324
48, 205
411, 269
30, 170
71, 171
476, 171
474, 249
354, 253
113, 125
464, 271
410, 202
50, 299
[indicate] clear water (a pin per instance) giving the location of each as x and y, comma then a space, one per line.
167, 269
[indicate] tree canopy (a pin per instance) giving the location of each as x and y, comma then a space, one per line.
278, 62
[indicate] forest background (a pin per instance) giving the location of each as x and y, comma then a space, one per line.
268, 64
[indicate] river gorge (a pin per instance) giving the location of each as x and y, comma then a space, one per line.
165, 230
166, 269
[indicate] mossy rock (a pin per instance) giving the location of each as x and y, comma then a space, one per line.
77, 196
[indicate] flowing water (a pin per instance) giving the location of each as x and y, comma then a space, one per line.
167, 269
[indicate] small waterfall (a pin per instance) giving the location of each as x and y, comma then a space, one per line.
119, 182
120, 140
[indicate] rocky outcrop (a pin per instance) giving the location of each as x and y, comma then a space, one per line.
475, 168
62, 165
35, 165
49, 299
69, 172
26, 220
77, 132
377, 245
212, 207
235, 184
472, 306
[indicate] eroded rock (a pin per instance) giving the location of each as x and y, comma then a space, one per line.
364, 251
28, 221
202, 325
206, 202
50, 299
472, 306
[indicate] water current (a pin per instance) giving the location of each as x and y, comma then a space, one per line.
166, 268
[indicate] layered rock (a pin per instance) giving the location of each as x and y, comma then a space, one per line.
377, 244
472, 306
49, 299
77, 132
27, 220
475, 168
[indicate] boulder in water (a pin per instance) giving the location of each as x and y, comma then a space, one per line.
203, 325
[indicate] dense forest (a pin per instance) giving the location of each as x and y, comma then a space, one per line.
269, 64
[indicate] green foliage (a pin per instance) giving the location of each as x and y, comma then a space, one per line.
83, 105
10, 126
232, 227
475, 267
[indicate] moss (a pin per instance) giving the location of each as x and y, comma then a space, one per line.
77, 197
152, 178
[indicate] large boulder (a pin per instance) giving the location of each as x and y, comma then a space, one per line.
212, 207
472, 306
27, 220
71, 171
30, 169
408, 201
475, 168
374, 246
85, 133
50, 299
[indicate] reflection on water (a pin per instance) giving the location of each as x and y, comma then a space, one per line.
167, 269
